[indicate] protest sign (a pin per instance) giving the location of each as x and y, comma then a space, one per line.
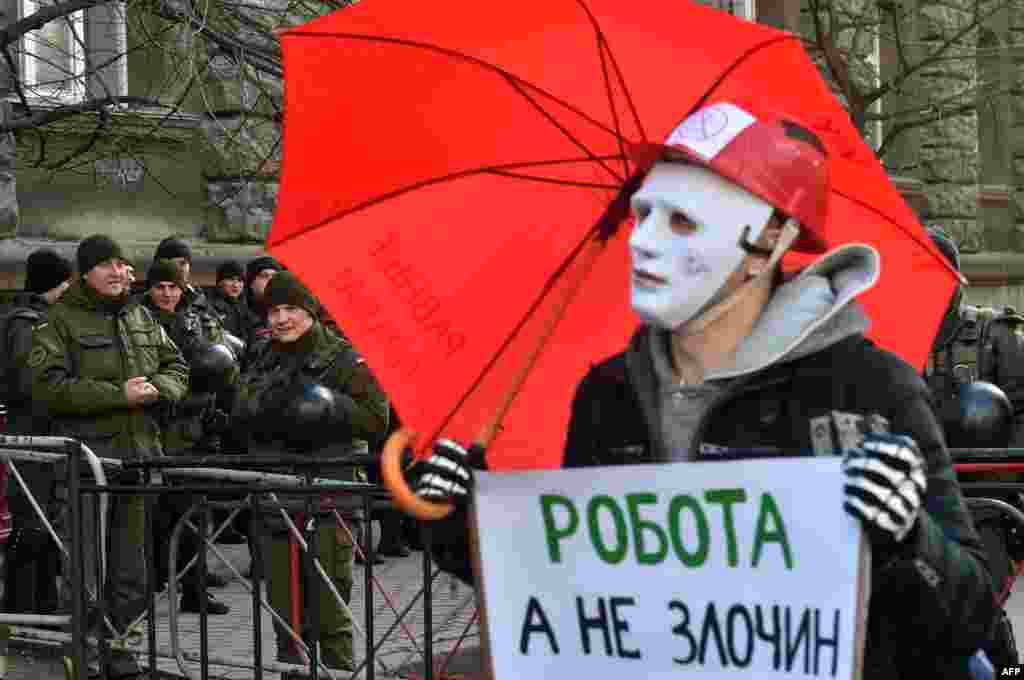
748, 569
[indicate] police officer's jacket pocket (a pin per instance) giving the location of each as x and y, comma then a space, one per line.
98, 358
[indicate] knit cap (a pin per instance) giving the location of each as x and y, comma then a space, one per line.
286, 289
172, 247
230, 269
164, 270
96, 249
45, 270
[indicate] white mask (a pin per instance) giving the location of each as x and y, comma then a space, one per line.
685, 244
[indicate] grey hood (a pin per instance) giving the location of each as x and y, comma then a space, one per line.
813, 311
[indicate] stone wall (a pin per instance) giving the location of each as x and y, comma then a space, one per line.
8, 181
239, 211
1017, 100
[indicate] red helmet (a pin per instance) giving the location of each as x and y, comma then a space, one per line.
770, 155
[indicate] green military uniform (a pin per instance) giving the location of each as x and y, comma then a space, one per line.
80, 359
194, 322
327, 359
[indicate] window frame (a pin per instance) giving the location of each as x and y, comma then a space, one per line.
71, 90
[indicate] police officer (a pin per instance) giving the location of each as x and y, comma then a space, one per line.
257, 275
976, 343
308, 391
228, 298
977, 359
189, 425
33, 560
104, 368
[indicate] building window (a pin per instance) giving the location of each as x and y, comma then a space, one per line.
77, 57
740, 8
53, 57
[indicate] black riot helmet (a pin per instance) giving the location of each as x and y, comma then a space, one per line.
211, 367
980, 417
951, 319
308, 416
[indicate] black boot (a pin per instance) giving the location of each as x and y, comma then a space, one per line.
190, 604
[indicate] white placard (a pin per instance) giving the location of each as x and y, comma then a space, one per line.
710, 129
724, 570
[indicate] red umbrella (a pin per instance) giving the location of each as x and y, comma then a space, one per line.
446, 167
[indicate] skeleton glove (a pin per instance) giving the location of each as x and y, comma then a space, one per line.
885, 485
447, 476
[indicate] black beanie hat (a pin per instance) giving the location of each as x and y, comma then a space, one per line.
172, 247
164, 270
45, 270
259, 264
286, 289
230, 269
95, 249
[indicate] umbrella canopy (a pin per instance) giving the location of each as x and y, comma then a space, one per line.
452, 172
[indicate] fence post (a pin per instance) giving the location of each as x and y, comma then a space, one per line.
368, 560
150, 504
256, 568
77, 562
428, 610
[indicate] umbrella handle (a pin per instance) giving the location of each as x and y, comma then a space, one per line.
394, 480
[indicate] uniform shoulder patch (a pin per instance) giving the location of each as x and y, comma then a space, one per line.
37, 356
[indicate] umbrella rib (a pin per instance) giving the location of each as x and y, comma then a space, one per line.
732, 67
553, 180
605, 228
541, 297
605, 50
601, 45
465, 57
926, 244
487, 169
516, 85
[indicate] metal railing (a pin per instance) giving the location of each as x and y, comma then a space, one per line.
234, 484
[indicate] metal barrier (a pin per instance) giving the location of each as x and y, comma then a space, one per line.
234, 483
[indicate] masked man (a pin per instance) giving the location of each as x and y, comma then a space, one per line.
731, 357
104, 370
308, 392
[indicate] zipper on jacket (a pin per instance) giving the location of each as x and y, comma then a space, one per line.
744, 386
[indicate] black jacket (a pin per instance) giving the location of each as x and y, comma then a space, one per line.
919, 625
234, 312
25, 311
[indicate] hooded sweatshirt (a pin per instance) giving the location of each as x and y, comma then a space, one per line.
807, 314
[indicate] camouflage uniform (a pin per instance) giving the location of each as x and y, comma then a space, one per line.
324, 358
190, 325
194, 322
80, 359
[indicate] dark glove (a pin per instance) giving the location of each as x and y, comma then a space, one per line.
447, 475
194, 404
885, 486
214, 421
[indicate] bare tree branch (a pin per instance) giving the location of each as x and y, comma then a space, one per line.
13, 32
932, 58
42, 118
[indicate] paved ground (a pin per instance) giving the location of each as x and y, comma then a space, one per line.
231, 637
